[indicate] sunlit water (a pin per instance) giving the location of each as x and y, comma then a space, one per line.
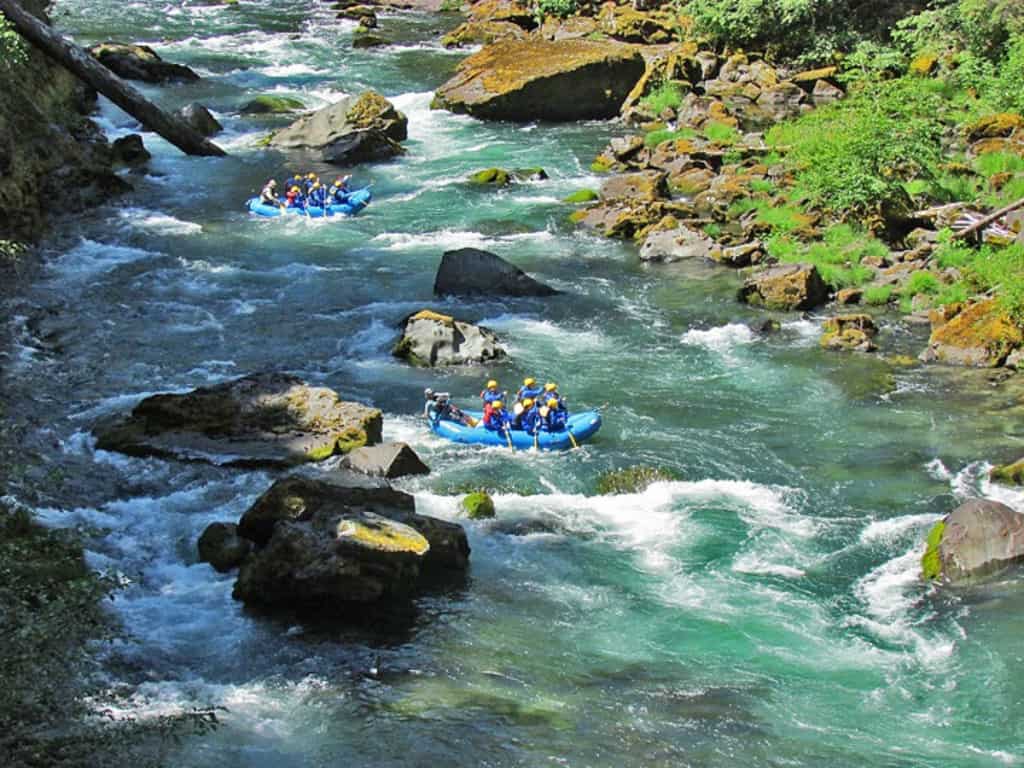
763, 610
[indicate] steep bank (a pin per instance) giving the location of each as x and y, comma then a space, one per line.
53, 158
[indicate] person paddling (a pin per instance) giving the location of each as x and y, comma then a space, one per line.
551, 417
268, 195
489, 394
499, 421
338, 192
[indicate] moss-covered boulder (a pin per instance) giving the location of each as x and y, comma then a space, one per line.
677, 244
477, 506
431, 340
979, 539
1009, 474
482, 33
355, 129
140, 62
979, 336
222, 547
633, 479
624, 22
524, 80
786, 287
581, 196
272, 105
850, 333
998, 125
269, 419
504, 11
640, 187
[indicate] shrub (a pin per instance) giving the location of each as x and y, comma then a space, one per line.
1002, 270
720, 133
763, 186
559, 8
654, 138
921, 282
665, 96
878, 295
12, 47
837, 256
952, 294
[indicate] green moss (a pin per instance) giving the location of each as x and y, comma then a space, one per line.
494, 176
581, 196
321, 452
632, 479
721, 133
1010, 474
272, 105
384, 537
404, 351
931, 562
577, 216
878, 295
350, 439
601, 165
478, 506
661, 135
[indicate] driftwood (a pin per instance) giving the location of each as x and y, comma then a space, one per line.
90, 71
981, 223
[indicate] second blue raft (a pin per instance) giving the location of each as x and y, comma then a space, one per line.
581, 426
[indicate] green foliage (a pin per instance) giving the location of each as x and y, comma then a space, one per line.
665, 96
955, 293
712, 230
921, 282
559, 8
633, 479
763, 186
837, 256
13, 51
951, 252
1002, 270
931, 563
980, 27
654, 138
990, 164
853, 157
878, 295
720, 133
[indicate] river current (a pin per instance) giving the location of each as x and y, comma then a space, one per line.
763, 610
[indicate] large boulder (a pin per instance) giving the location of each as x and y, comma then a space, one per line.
527, 80
140, 62
355, 129
980, 336
266, 104
472, 272
482, 33
978, 539
431, 340
643, 186
785, 287
850, 333
388, 460
200, 118
331, 547
222, 547
676, 245
268, 419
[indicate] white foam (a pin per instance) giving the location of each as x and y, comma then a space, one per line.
723, 340
90, 258
887, 531
157, 223
451, 239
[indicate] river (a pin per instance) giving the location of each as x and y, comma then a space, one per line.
763, 610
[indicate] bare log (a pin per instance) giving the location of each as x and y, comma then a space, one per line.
89, 70
981, 224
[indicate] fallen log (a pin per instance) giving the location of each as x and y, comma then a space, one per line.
982, 223
89, 70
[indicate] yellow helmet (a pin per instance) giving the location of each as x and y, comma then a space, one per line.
552, 403
492, 384
529, 381
550, 386
497, 405
294, 189
310, 175
528, 402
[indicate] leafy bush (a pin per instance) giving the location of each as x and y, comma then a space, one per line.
654, 138
559, 8
12, 47
921, 282
720, 133
951, 294
952, 253
1002, 270
990, 164
763, 186
665, 96
837, 256
878, 295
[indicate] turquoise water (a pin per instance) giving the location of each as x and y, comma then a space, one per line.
763, 610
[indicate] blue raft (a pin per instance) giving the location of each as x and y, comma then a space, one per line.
581, 425
357, 200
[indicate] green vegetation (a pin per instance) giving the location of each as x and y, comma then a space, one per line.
878, 295
13, 51
921, 282
559, 8
581, 196
721, 133
837, 256
478, 506
931, 562
654, 138
633, 479
665, 96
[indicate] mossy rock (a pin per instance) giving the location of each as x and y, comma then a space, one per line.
534, 173
497, 177
272, 105
577, 216
633, 479
601, 165
581, 196
478, 506
924, 65
931, 562
1009, 474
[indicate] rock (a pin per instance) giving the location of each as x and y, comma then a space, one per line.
477, 506
272, 105
388, 460
999, 125
507, 11
625, 147
848, 296
220, 546
740, 255
472, 272
785, 287
766, 327
524, 80
200, 118
497, 177
1011, 474
781, 101
267, 419
676, 245
633, 479
980, 336
824, 92
140, 62
626, 23
130, 150
431, 340
482, 33
581, 196
362, 40
808, 79
645, 186
355, 129
850, 333
364, 14
977, 540
619, 218
692, 181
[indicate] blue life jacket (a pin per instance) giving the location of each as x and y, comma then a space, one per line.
499, 421
529, 392
489, 397
531, 420
556, 420
316, 197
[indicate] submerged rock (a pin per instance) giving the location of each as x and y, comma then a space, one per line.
526, 80
850, 333
388, 460
130, 150
222, 547
140, 62
431, 340
473, 272
785, 287
977, 540
272, 105
268, 419
355, 129
200, 118
1011, 474
478, 506
632, 479
979, 336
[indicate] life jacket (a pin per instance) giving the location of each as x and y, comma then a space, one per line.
554, 419
531, 420
499, 420
268, 195
529, 392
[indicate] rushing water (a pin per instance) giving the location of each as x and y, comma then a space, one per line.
763, 610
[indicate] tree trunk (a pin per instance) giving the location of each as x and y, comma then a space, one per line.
980, 225
89, 70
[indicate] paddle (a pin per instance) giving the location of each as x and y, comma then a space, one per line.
508, 436
572, 438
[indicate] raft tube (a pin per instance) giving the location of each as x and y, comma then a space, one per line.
581, 425
357, 200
